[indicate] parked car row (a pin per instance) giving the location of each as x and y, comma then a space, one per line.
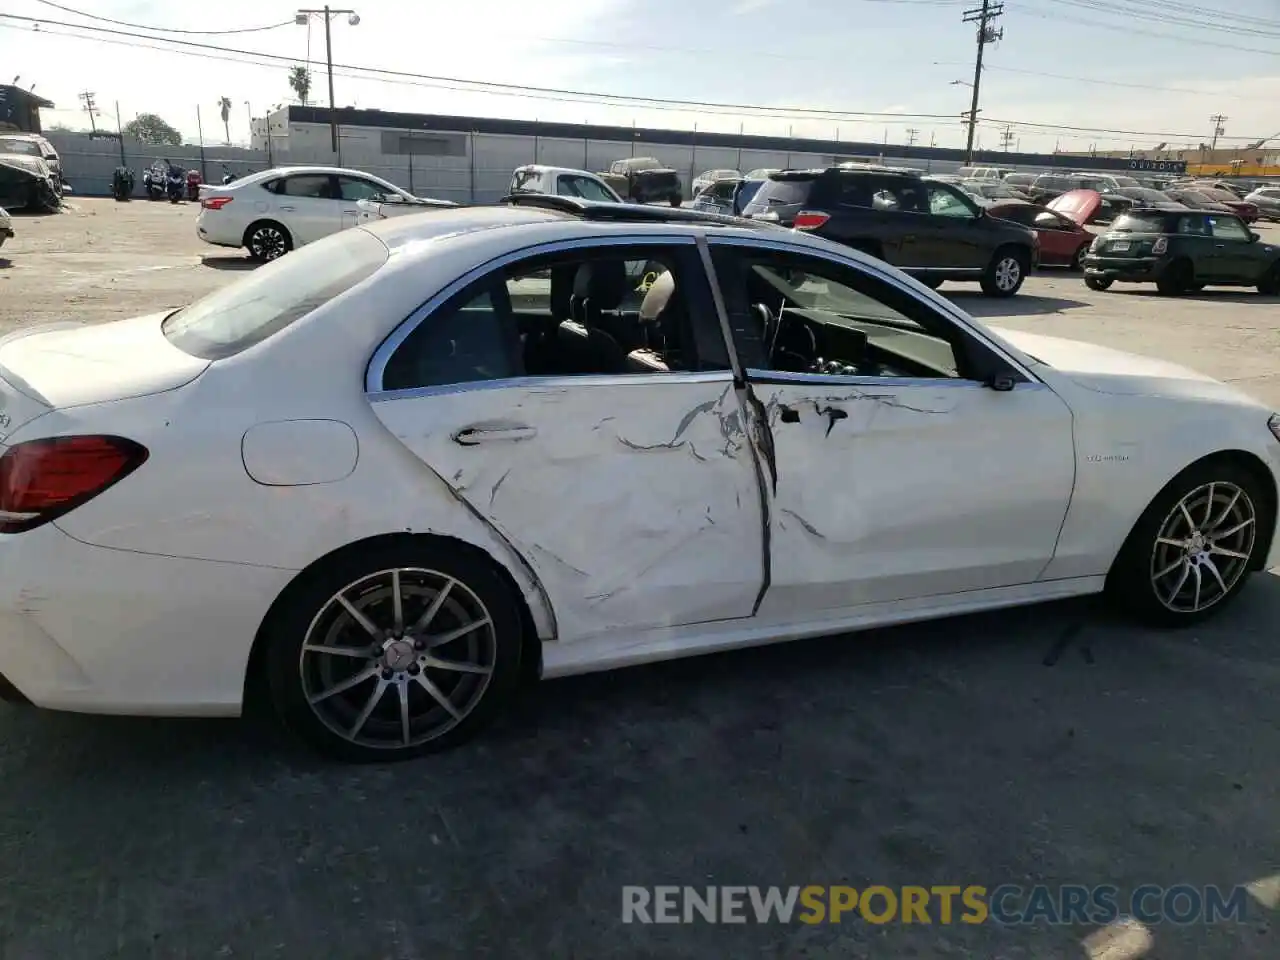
30, 173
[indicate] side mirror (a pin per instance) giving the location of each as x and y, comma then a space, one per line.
1001, 382
1254, 237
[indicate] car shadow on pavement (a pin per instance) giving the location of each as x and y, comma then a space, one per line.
229, 263
1206, 296
5, 263
1021, 305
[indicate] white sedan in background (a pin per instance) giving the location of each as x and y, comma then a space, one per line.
278, 210
397, 471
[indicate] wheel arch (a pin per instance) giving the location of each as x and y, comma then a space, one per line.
1244, 459
531, 661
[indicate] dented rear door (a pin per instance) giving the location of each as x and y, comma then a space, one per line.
633, 496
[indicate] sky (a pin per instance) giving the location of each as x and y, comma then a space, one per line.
1069, 74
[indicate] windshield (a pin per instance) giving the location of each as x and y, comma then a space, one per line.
1216, 194
1139, 223
1126, 182
274, 296
14, 145
997, 191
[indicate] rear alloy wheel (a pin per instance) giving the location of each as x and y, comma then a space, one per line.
1098, 283
1269, 285
1006, 272
1177, 278
268, 241
1194, 547
409, 649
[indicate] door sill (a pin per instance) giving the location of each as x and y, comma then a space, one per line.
617, 649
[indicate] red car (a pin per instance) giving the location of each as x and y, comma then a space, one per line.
1246, 211
1063, 239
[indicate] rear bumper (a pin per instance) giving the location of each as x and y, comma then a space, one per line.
210, 231
95, 630
1133, 270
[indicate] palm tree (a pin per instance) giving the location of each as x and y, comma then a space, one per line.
224, 104
300, 81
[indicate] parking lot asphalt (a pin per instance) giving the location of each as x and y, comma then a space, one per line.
1049, 745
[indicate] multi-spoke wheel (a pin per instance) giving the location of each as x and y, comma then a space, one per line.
1195, 545
394, 654
1005, 273
267, 241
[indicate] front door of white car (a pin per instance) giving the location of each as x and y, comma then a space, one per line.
351, 190
609, 452
308, 206
897, 476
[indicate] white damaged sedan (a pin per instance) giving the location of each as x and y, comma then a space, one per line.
400, 469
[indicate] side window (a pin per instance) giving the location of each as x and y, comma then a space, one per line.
854, 192
907, 196
944, 203
612, 311
316, 186
354, 188
797, 314
1228, 228
1192, 225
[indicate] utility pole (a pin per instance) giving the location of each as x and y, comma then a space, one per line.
1007, 136
1218, 129
986, 34
90, 108
912, 134
303, 18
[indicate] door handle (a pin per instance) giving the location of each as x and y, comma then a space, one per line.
1220, 246
470, 436
351, 211
285, 209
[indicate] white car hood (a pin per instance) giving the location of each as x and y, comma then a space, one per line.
71, 365
1105, 370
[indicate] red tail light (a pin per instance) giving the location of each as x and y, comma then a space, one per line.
810, 220
41, 480
215, 203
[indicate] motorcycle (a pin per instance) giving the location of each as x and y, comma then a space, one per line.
175, 184
153, 180
193, 184
122, 182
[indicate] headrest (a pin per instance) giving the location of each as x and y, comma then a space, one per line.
562, 279
657, 297
605, 283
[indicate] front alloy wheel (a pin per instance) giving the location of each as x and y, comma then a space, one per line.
1192, 550
1203, 547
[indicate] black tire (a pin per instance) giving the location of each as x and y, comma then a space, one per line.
1196, 287
1177, 278
1077, 261
309, 606
267, 240
1269, 285
1098, 283
1005, 273
1131, 583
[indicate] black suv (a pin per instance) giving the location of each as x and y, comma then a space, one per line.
927, 228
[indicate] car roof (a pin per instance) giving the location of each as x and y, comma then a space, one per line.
564, 217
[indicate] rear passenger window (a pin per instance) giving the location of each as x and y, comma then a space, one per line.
906, 196
318, 187
620, 312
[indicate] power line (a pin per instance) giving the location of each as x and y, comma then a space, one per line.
232, 55
143, 26
1133, 86
1195, 41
